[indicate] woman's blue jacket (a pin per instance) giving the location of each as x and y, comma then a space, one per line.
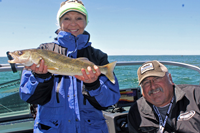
76, 107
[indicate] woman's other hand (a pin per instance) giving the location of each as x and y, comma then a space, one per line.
91, 77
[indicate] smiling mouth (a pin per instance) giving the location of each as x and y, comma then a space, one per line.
155, 91
73, 31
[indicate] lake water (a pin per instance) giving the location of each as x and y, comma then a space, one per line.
127, 75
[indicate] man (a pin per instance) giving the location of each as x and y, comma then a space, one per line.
164, 107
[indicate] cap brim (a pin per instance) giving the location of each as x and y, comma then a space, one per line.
157, 74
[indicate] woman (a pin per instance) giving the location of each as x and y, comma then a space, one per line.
70, 104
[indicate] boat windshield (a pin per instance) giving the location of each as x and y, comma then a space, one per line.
10, 101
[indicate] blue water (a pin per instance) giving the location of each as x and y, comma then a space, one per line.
127, 75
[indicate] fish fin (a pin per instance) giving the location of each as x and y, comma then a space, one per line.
84, 59
36, 59
11, 61
52, 68
109, 74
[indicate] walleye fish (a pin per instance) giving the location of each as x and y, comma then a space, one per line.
59, 64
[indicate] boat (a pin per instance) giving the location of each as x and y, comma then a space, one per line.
16, 117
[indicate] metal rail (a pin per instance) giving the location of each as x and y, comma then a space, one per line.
185, 65
6, 67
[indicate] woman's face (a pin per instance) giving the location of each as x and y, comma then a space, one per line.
73, 22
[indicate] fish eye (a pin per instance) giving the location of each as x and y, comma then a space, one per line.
20, 52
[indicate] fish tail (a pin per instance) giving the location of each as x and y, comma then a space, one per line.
109, 74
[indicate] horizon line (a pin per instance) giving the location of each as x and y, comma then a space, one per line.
152, 55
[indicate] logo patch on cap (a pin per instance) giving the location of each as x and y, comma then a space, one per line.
146, 67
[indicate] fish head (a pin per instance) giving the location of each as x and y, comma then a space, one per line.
21, 56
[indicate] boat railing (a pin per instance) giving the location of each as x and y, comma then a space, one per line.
185, 65
6, 67
13, 108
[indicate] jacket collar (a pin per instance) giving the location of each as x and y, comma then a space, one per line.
145, 112
67, 40
179, 94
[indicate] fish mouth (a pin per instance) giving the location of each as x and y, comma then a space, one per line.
15, 58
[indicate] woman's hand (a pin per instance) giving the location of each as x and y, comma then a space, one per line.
42, 69
91, 77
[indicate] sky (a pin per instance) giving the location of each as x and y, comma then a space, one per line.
117, 27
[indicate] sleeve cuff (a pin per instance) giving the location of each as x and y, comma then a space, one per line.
42, 76
92, 86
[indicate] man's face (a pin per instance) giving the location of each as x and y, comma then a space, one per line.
158, 90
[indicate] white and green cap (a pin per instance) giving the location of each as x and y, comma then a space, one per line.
71, 6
